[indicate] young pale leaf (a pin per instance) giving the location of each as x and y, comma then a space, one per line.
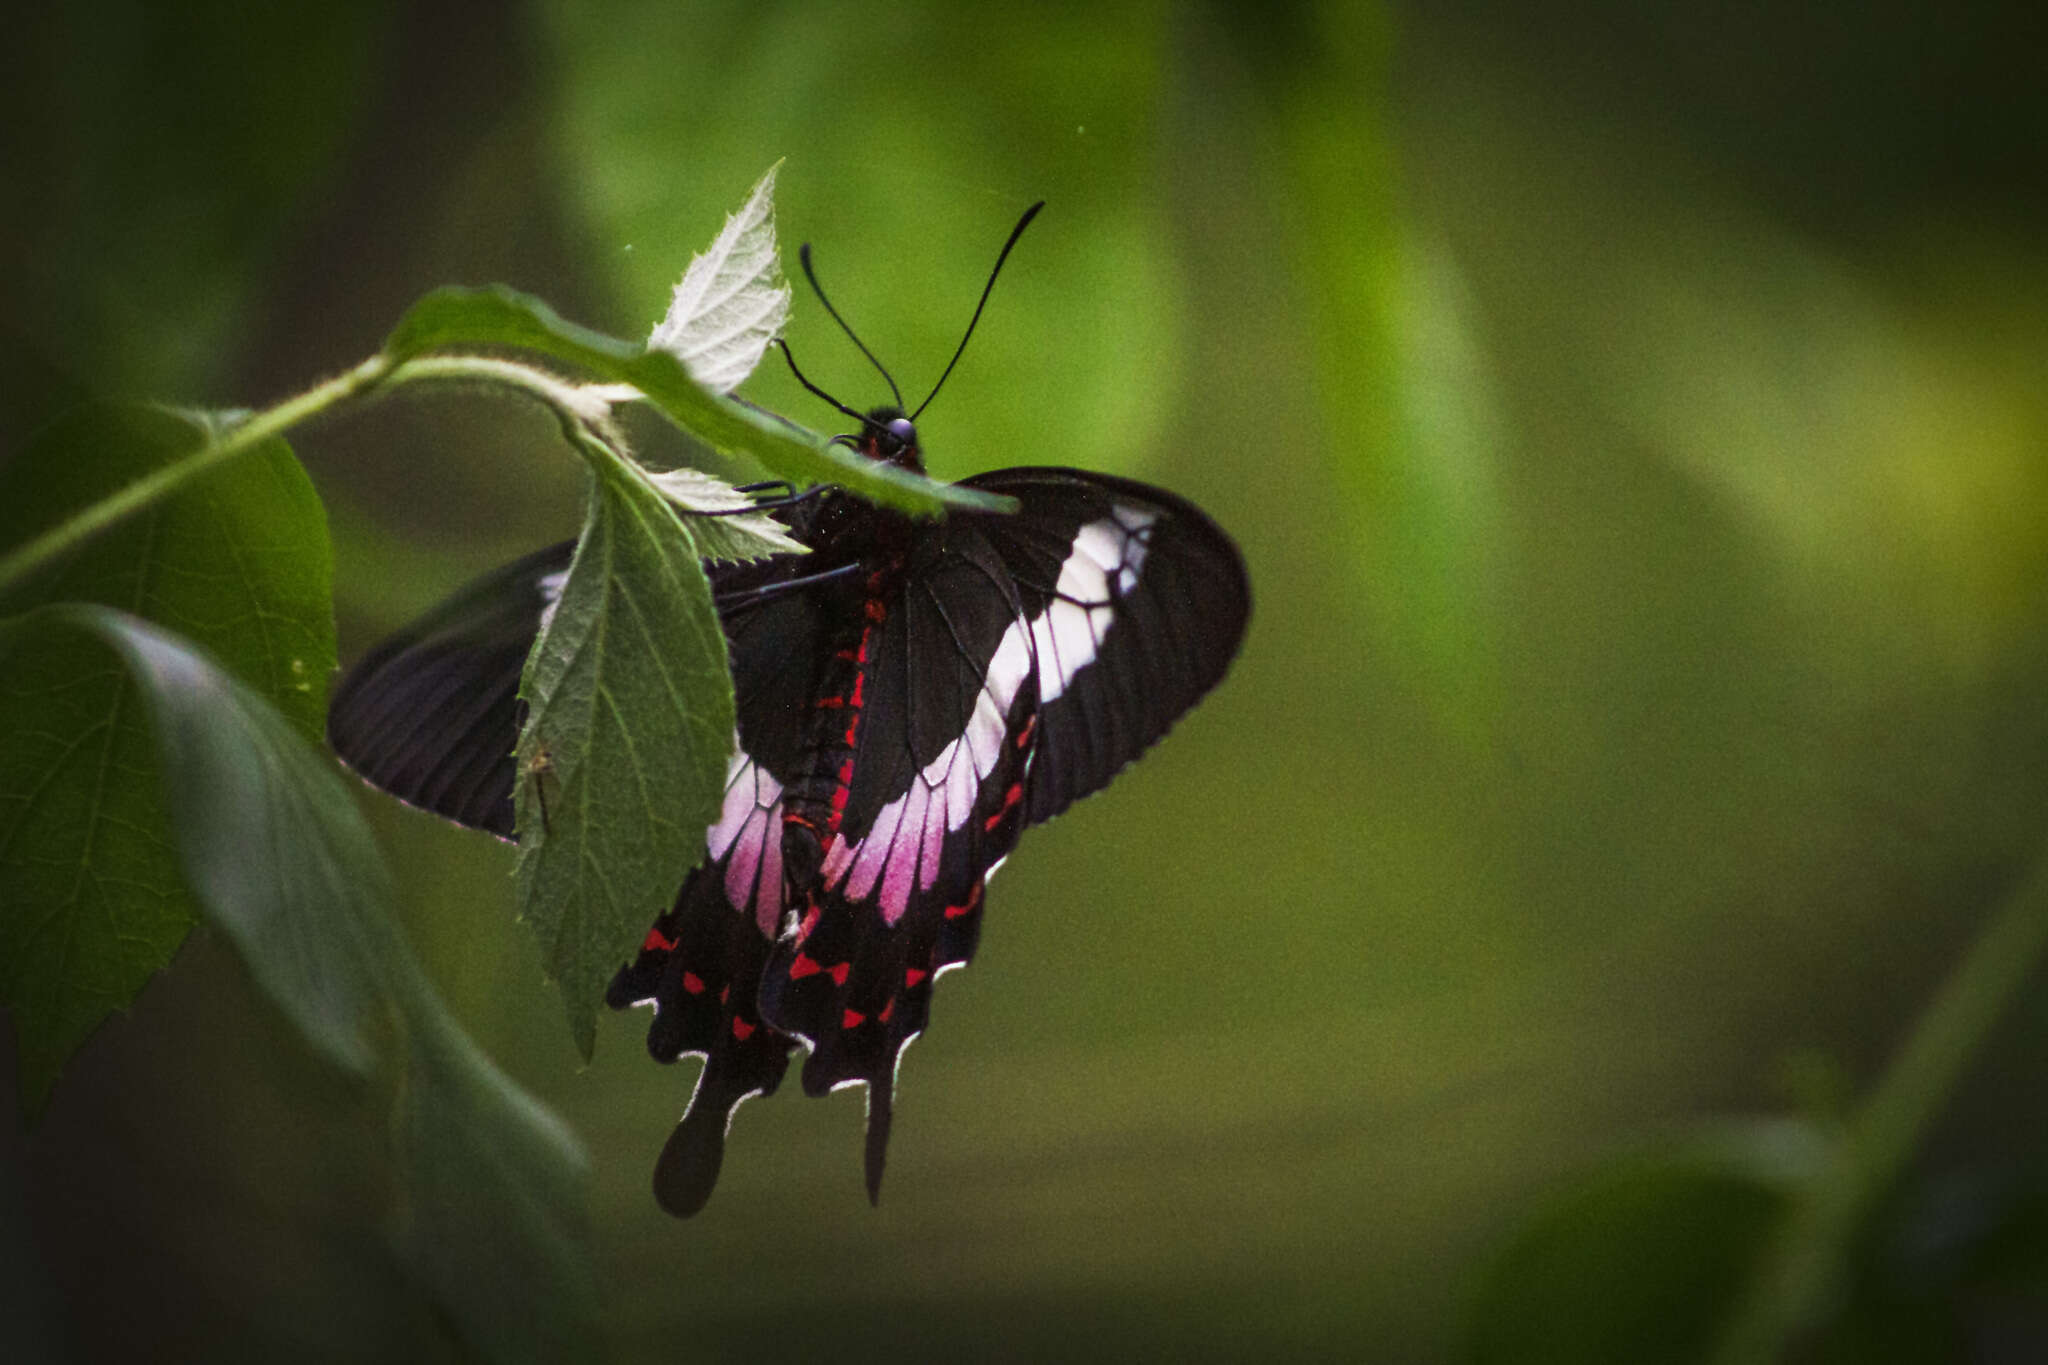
239, 562
279, 860
503, 317
749, 535
629, 727
732, 302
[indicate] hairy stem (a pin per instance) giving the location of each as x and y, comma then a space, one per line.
218, 450
377, 374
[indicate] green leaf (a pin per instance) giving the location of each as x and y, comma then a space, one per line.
239, 562
504, 317
732, 302
629, 729
269, 839
280, 860
1640, 1261
494, 1218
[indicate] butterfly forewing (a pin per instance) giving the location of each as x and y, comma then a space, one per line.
1137, 602
432, 714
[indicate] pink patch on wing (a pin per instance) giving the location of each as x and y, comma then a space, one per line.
874, 852
745, 862
934, 839
906, 845
838, 858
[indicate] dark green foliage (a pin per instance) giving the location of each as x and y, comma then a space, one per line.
1640, 1262
237, 563
1634, 416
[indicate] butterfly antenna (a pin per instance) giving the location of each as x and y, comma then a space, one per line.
1015, 233
804, 254
786, 355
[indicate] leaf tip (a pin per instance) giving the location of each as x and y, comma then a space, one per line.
582, 1026
732, 301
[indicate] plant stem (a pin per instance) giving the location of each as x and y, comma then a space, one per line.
240, 439
378, 372
1802, 1274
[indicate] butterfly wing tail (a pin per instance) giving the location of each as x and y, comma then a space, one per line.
687, 1170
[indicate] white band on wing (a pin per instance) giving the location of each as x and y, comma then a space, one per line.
904, 845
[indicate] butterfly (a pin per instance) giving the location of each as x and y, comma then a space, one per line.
911, 695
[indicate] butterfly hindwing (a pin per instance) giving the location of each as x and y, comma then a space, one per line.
700, 966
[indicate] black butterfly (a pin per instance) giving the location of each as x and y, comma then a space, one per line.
911, 695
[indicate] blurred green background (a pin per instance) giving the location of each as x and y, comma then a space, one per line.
1636, 423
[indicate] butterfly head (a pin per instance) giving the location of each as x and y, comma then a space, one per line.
886, 434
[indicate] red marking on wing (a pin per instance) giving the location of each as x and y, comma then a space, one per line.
1010, 799
725, 994
852, 1019
741, 1029
973, 899
839, 971
657, 942
875, 612
913, 975
693, 983
810, 922
803, 966
887, 1010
